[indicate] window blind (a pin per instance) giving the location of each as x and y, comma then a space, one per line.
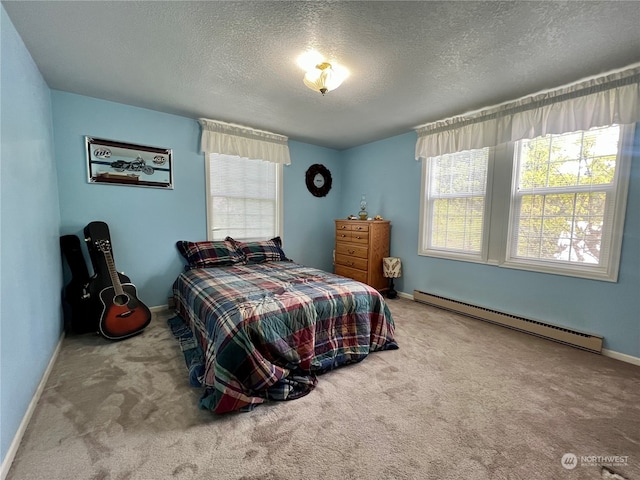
456, 201
243, 198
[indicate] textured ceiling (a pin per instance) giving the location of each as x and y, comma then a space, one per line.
410, 62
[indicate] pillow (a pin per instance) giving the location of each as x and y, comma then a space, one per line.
260, 252
209, 254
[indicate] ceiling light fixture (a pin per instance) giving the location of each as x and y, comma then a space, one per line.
321, 75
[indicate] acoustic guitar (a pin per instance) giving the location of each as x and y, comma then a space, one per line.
123, 314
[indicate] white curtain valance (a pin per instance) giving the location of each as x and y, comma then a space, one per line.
605, 100
245, 142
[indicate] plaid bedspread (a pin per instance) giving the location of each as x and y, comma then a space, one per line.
267, 330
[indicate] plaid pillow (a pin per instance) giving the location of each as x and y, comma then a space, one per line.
260, 252
209, 254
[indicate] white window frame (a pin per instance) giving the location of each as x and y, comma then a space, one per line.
424, 245
278, 227
612, 233
500, 214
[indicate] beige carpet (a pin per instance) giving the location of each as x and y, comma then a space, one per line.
460, 399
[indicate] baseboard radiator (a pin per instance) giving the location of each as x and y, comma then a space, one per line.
586, 341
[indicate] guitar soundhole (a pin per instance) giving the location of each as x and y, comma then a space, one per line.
121, 299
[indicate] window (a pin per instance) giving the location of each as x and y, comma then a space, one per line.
455, 204
551, 204
244, 198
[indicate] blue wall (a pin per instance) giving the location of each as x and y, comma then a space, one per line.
145, 223
387, 172
30, 313
308, 220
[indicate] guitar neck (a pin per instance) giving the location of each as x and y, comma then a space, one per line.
113, 273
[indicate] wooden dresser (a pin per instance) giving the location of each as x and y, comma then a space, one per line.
360, 247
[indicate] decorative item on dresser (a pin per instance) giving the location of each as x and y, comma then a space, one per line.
360, 247
392, 268
363, 208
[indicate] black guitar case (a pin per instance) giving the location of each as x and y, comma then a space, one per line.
77, 302
95, 232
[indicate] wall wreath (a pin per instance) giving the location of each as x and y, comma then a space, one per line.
318, 180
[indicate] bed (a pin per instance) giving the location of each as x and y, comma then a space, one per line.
255, 326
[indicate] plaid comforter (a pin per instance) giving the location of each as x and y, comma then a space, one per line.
266, 330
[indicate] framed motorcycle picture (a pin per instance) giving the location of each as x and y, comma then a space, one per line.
112, 162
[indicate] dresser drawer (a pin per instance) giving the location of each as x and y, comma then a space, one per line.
353, 262
360, 227
352, 250
344, 236
358, 275
354, 237
360, 237
352, 226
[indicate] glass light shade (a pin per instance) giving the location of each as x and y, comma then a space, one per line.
391, 267
324, 78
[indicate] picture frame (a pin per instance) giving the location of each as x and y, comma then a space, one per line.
119, 163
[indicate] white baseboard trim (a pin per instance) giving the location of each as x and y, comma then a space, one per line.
159, 309
621, 356
400, 295
13, 448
